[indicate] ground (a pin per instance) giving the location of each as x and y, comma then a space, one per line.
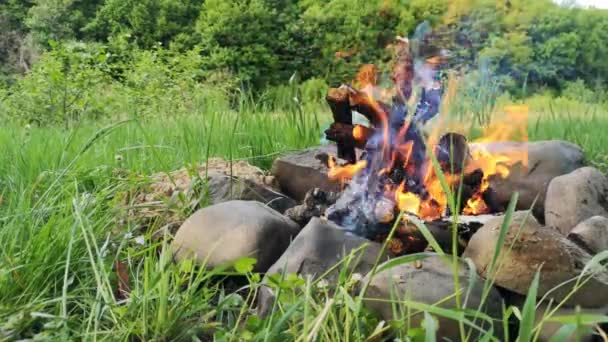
60, 246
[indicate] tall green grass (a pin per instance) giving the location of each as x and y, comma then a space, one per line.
59, 243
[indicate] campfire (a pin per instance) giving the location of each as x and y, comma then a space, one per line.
390, 166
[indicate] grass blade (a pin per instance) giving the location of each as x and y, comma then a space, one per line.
526, 325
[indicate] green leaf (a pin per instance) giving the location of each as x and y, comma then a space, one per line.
563, 333
430, 327
244, 265
529, 312
594, 265
427, 235
580, 318
504, 229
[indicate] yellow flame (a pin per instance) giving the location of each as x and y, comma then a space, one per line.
407, 201
346, 172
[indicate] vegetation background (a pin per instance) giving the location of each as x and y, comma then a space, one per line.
97, 94
60, 58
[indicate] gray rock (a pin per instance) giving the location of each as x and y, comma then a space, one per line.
545, 161
229, 231
319, 247
529, 247
224, 188
299, 172
591, 234
169, 195
430, 282
575, 197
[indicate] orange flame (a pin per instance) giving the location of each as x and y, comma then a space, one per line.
359, 133
514, 124
346, 172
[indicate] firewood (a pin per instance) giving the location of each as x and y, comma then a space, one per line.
375, 111
338, 100
441, 230
345, 133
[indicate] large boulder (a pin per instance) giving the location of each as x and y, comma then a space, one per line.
430, 282
575, 197
315, 252
528, 248
591, 234
534, 165
299, 172
228, 231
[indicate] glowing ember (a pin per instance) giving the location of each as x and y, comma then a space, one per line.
359, 133
407, 201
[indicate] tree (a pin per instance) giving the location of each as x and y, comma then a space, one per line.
243, 37
56, 20
148, 22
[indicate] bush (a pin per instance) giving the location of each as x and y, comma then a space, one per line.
61, 88
76, 82
578, 91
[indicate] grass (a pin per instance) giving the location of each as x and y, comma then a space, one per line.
59, 246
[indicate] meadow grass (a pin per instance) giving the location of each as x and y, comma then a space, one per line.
59, 246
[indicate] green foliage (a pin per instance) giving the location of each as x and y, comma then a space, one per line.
261, 43
578, 91
148, 22
243, 37
56, 20
60, 89
88, 81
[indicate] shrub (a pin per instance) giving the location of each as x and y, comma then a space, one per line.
578, 91
76, 81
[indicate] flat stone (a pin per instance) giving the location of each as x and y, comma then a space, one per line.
226, 232
431, 282
591, 234
528, 248
319, 247
299, 172
575, 197
535, 164
225, 188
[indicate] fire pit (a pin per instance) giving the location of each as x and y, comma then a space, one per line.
390, 166
391, 181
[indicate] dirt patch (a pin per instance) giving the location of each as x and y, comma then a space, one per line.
167, 199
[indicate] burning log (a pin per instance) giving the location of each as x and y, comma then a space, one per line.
375, 111
452, 152
338, 100
409, 239
343, 133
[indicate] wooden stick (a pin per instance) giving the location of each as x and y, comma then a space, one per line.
345, 133
375, 111
338, 100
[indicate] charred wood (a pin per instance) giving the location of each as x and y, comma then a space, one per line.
315, 204
375, 111
349, 134
338, 100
